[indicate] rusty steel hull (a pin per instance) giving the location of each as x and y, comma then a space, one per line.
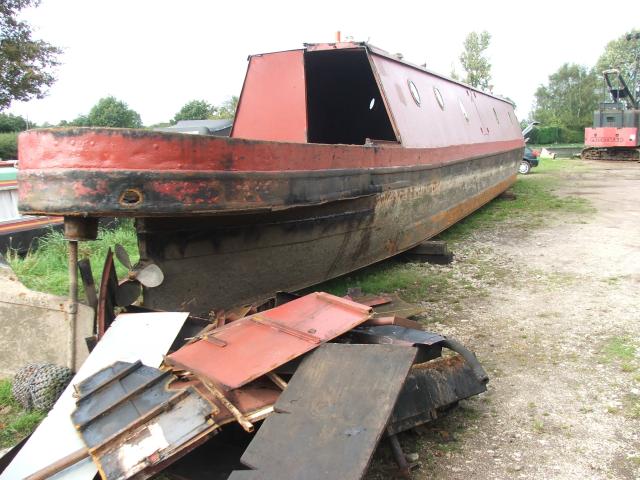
219, 261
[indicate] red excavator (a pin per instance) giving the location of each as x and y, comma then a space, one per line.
614, 135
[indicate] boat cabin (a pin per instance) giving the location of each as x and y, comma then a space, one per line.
353, 93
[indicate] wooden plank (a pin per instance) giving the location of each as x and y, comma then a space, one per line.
330, 418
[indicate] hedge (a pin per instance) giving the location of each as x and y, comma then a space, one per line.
8, 146
549, 135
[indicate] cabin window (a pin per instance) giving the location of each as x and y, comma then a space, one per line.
495, 114
414, 92
438, 96
510, 119
344, 103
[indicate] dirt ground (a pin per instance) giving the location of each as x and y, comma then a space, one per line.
558, 330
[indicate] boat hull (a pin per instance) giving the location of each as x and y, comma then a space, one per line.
219, 261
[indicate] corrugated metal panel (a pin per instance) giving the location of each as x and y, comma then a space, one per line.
467, 116
273, 101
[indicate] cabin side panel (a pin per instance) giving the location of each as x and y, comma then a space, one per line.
431, 112
273, 101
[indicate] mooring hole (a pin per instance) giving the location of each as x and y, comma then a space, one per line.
130, 197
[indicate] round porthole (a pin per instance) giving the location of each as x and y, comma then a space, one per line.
414, 92
496, 115
463, 110
372, 103
438, 96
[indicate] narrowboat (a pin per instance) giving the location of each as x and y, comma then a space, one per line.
340, 155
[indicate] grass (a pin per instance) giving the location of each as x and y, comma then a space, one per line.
415, 282
46, 269
15, 422
619, 348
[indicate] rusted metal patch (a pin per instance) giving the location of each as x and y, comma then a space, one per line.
130, 421
253, 346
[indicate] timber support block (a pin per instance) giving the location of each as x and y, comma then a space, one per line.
432, 251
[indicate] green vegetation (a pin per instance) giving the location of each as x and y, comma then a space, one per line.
46, 269
15, 422
619, 348
8, 146
27, 63
202, 110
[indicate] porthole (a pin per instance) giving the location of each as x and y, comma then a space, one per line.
464, 110
496, 115
372, 103
414, 92
439, 98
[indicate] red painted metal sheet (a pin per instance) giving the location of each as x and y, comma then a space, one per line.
611, 137
467, 117
119, 149
273, 101
246, 349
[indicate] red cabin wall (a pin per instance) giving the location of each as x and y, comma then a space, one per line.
272, 105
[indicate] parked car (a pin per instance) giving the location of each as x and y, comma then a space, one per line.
529, 160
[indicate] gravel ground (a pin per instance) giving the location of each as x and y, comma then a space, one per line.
555, 319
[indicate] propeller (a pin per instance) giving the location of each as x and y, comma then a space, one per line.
148, 275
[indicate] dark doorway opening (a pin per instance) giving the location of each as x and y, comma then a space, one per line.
344, 104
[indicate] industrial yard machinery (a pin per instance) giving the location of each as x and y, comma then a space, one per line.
614, 135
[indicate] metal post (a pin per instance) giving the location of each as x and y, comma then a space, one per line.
73, 302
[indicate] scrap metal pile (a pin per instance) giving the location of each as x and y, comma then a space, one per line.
327, 376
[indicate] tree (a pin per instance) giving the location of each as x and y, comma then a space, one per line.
26, 65
569, 99
227, 109
110, 112
12, 123
622, 54
194, 110
474, 62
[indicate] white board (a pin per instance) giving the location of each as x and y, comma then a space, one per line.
134, 336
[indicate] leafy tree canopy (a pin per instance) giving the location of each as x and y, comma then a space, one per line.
568, 99
110, 112
194, 110
12, 123
227, 109
474, 60
26, 64
622, 54
203, 110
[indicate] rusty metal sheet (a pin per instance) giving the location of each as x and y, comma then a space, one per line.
131, 422
329, 420
246, 349
56, 437
272, 104
430, 388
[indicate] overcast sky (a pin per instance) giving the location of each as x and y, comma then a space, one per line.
157, 55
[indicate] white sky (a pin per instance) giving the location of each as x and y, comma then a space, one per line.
157, 55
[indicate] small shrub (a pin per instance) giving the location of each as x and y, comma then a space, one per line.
8, 146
